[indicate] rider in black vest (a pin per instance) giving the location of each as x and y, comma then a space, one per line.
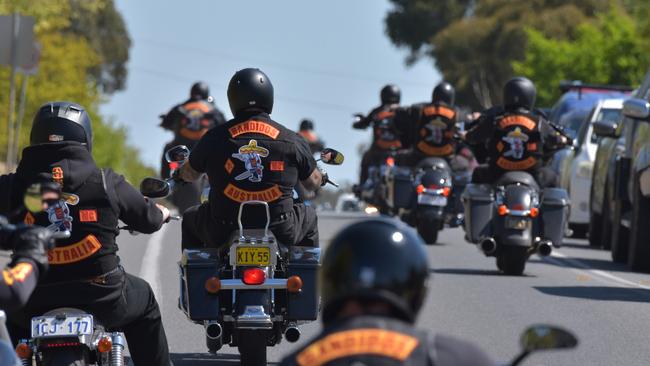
251, 157
515, 138
85, 270
390, 131
373, 283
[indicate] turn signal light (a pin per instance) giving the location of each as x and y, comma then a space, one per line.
294, 284
23, 351
420, 189
446, 191
503, 210
390, 161
534, 212
105, 345
254, 276
213, 285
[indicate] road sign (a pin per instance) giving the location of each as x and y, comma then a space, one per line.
24, 39
31, 67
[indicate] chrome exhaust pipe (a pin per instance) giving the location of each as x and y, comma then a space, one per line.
213, 333
544, 248
292, 334
488, 246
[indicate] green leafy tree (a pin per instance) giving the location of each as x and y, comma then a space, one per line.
611, 50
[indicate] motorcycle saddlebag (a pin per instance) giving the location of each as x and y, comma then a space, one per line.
401, 191
304, 262
478, 200
555, 214
195, 267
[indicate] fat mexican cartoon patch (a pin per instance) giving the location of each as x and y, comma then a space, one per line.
58, 213
434, 131
517, 141
251, 155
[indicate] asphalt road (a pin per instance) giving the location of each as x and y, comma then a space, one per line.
607, 307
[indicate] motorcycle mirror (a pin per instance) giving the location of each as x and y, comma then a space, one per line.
154, 187
177, 154
331, 157
544, 337
38, 195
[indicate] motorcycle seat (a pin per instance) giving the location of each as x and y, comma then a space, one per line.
517, 177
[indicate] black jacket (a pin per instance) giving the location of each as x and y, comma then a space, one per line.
93, 202
190, 120
372, 340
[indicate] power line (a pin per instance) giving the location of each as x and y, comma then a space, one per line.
302, 101
288, 67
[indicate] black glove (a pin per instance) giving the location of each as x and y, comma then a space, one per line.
32, 243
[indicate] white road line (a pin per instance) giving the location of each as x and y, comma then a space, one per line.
604, 276
150, 263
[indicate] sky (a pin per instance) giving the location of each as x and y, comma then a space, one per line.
326, 59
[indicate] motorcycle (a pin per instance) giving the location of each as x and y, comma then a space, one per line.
253, 292
514, 219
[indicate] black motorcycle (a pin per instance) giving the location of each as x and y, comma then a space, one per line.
513, 219
252, 292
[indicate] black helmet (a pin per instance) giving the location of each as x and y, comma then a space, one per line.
61, 121
250, 89
377, 259
519, 92
199, 91
445, 93
306, 124
390, 94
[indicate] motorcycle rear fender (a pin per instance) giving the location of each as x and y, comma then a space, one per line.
425, 212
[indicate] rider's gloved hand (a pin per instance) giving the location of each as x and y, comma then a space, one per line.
325, 178
32, 243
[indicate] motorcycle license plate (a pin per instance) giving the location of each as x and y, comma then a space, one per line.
432, 200
253, 256
516, 223
50, 326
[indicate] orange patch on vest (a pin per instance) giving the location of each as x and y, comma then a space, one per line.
75, 252
439, 111
384, 114
277, 166
241, 195
29, 219
229, 166
518, 121
350, 343
88, 215
516, 165
253, 126
18, 273
435, 151
57, 174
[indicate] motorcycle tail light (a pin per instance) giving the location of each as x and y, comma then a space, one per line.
60, 344
105, 345
390, 161
254, 276
23, 351
534, 212
446, 191
212, 285
420, 189
503, 210
294, 284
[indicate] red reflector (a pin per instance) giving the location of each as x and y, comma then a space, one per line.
390, 161
173, 165
254, 276
61, 344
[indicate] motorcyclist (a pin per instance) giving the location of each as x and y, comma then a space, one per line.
306, 130
85, 270
190, 120
251, 157
373, 283
390, 129
514, 137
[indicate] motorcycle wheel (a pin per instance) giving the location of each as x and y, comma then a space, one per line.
428, 231
513, 260
77, 356
252, 350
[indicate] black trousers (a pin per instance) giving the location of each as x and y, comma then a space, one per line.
485, 174
122, 302
296, 227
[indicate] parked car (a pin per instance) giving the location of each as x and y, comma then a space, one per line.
631, 215
577, 165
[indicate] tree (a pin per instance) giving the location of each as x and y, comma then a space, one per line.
475, 42
611, 50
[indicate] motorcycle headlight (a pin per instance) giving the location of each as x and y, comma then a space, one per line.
585, 169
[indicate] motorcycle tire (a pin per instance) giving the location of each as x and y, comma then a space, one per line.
75, 356
513, 260
252, 350
428, 231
